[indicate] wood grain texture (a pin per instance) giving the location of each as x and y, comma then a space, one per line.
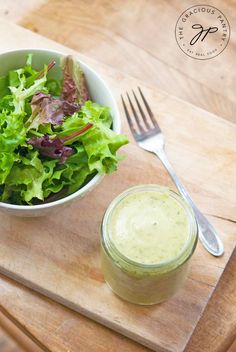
39, 253
137, 37
215, 313
7, 344
13, 10
56, 328
232, 347
21, 341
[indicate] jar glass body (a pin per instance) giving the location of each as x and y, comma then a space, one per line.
141, 283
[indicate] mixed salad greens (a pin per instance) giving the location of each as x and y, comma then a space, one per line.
53, 138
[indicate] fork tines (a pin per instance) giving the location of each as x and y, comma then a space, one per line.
143, 122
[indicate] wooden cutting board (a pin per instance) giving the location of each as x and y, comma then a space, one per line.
58, 255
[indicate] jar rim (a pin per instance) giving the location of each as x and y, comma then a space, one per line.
189, 246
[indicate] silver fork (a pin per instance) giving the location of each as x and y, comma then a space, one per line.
148, 135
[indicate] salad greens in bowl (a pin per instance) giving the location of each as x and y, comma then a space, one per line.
59, 130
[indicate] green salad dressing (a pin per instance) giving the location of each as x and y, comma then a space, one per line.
149, 227
148, 236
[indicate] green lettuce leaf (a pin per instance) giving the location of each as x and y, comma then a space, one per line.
21, 93
99, 142
6, 163
25, 180
4, 83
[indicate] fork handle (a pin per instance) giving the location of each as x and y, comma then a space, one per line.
207, 233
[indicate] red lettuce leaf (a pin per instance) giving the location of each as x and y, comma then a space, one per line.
46, 109
69, 90
74, 87
47, 69
53, 148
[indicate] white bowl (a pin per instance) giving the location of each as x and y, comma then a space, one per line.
100, 93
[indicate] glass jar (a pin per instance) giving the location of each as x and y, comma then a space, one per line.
147, 278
